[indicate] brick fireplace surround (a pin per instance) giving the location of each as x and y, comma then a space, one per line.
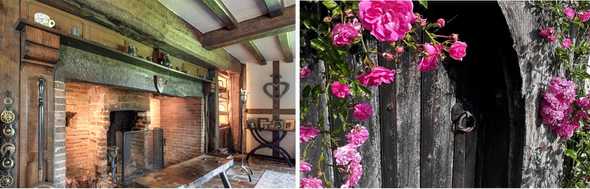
85, 137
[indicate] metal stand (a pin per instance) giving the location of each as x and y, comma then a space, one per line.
275, 144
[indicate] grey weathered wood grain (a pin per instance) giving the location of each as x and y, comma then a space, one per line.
541, 167
436, 145
400, 123
371, 150
316, 149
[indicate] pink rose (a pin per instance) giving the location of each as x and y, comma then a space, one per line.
304, 167
362, 111
430, 60
340, 90
441, 22
399, 50
304, 72
344, 34
566, 43
357, 136
566, 130
458, 50
355, 172
569, 13
310, 183
346, 154
307, 133
388, 21
584, 16
547, 33
583, 103
379, 75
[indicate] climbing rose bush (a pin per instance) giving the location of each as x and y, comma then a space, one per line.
377, 76
458, 50
310, 183
307, 133
344, 34
388, 21
556, 107
304, 72
357, 135
362, 111
430, 60
304, 167
340, 90
341, 33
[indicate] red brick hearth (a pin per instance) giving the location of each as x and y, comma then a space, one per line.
90, 106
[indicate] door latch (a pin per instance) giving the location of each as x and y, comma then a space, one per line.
463, 120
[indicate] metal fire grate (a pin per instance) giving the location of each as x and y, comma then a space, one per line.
143, 151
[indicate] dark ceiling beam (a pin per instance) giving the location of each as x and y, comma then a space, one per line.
283, 39
222, 13
274, 7
252, 29
254, 51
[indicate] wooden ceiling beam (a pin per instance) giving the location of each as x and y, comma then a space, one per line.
254, 51
274, 7
221, 12
286, 49
252, 29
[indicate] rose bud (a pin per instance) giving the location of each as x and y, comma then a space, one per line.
388, 56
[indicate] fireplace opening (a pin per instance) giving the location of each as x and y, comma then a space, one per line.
115, 134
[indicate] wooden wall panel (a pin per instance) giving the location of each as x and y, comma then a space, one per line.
30, 75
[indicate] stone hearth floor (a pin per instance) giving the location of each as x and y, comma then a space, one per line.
258, 166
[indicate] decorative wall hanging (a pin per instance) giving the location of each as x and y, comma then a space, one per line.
285, 87
7, 141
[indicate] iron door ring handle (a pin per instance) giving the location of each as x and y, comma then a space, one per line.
464, 119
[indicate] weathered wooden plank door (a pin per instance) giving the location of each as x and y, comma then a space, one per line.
462, 124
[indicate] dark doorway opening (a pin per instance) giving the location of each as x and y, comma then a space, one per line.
488, 83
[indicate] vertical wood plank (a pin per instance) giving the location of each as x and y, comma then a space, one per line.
401, 127
436, 145
320, 148
371, 150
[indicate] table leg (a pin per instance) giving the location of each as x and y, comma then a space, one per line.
224, 180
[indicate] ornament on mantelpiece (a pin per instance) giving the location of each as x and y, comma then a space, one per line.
44, 19
160, 83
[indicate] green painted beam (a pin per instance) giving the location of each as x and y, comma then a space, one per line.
274, 7
221, 12
285, 44
253, 49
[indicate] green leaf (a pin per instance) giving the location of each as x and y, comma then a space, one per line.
424, 3
336, 12
571, 153
330, 4
318, 44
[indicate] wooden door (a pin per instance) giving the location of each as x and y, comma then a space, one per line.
462, 124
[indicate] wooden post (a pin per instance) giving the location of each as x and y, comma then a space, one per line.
276, 101
212, 112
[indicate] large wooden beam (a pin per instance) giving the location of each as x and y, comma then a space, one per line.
283, 39
251, 29
222, 13
151, 23
274, 7
254, 51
